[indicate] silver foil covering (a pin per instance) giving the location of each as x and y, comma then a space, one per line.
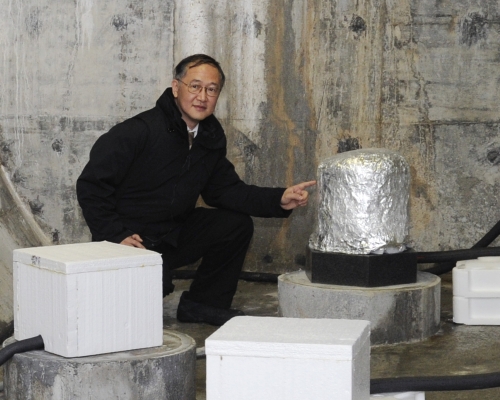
363, 203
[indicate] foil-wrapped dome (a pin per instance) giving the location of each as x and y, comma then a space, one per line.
363, 203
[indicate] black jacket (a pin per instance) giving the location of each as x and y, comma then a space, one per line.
143, 178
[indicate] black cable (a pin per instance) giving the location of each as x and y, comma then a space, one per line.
487, 239
445, 258
6, 332
21, 346
259, 277
444, 267
435, 383
441, 268
455, 255
246, 276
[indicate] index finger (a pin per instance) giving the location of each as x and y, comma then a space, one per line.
136, 243
136, 237
304, 185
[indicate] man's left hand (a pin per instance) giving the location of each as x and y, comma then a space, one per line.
296, 196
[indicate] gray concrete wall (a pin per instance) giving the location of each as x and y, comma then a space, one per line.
306, 79
69, 71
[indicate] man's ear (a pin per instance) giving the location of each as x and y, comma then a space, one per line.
175, 87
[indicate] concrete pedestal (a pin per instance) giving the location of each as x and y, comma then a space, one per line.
399, 313
165, 372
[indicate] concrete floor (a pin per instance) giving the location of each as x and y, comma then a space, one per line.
455, 350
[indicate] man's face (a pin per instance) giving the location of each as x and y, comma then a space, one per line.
196, 107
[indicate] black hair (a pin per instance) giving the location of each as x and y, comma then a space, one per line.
196, 60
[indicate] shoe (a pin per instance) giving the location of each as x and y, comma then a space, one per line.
190, 311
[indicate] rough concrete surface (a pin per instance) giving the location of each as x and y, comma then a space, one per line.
453, 350
164, 372
306, 79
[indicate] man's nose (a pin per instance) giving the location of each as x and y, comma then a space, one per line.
202, 96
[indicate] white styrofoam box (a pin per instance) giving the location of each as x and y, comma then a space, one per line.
268, 358
399, 396
88, 298
476, 311
477, 278
476, 291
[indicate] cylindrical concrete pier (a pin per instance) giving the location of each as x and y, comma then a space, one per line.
399, 313
166, 372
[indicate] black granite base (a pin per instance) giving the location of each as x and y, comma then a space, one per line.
368, 270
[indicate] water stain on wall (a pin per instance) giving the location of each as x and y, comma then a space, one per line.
5, 148
33, 22
474, 29
55, 236
58, 145
357, 25
119, 22
36, 206
257, 26
348, 144
19, 179
250, 151
125, 42
292, 150
493, 156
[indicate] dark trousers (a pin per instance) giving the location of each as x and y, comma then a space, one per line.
221, 239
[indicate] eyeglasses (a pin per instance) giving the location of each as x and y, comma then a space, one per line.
196, 88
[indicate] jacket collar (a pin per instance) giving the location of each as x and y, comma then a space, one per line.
210, 132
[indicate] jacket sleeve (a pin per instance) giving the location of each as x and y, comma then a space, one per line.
97, 188
226, 190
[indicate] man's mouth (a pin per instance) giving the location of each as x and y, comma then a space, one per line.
200, 108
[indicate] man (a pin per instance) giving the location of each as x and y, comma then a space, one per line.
145, 175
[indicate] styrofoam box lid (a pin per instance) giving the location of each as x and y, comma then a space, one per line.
86, 257
309, 338
477, 278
